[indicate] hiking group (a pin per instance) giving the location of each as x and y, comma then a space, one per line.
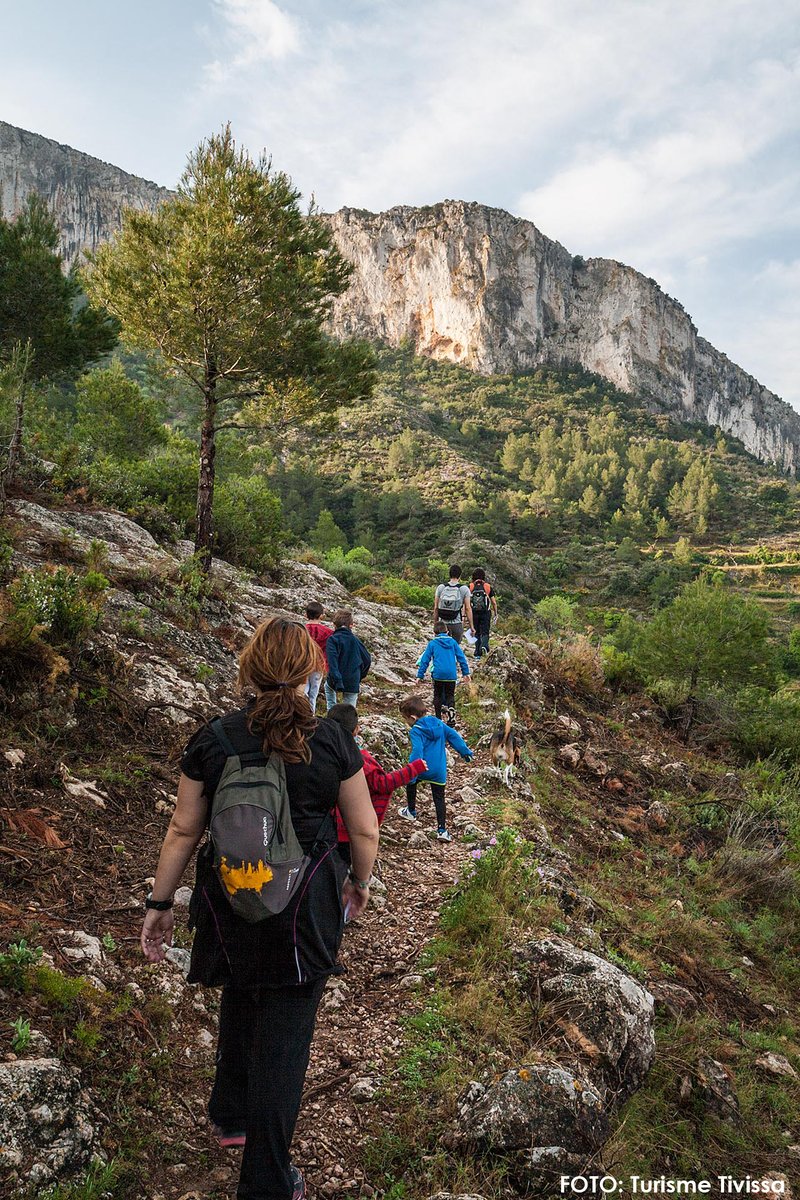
291, 806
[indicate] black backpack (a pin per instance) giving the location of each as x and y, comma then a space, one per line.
256, 855
448, 606
479, 598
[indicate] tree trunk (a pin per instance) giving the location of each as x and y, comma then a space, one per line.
204, 533
20, 365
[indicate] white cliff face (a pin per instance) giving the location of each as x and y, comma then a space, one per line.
475, 286
86, 195
466, 284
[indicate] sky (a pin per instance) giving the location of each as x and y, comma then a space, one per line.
662, 133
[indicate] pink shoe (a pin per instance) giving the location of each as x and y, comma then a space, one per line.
299, 1183
228, 1137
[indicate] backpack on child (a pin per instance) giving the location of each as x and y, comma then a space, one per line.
479, 596
256, 855
449, 604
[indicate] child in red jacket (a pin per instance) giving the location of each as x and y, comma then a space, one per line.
320, 633
381, 783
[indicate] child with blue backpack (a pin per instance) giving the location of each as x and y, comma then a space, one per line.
430, 738
444, 656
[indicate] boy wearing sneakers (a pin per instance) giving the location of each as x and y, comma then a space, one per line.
320, 633
430, 738
445, 655
381, 783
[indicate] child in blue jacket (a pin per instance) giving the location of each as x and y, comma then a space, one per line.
444, 652
429, 740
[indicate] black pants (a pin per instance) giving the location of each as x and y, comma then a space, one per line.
438, 801
262, 1055
483, 623
444, 694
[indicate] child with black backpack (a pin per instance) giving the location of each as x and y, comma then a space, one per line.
483, 605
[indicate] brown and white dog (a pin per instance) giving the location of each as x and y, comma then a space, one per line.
504, 751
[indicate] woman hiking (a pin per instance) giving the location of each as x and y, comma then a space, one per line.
272, 970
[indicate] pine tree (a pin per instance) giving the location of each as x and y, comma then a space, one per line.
231, 283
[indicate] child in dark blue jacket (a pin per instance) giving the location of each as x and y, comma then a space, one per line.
430, 738
348, 661
444, 652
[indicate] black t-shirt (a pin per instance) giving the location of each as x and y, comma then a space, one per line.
300, 944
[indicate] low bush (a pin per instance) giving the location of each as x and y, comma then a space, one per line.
247, 522
419, 594
63, 604
556, 615
352, 575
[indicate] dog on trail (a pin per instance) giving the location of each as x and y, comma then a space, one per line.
504, 751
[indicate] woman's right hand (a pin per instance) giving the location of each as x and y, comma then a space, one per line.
157, 934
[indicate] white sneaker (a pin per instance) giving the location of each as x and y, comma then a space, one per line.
443, 836
406, 814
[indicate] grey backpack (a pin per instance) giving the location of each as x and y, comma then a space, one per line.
256, 854
449, 604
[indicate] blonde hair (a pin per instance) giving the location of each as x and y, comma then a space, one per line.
276, 661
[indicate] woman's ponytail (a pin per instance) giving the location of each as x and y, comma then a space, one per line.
276, 662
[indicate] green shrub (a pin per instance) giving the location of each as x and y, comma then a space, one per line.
619, 667
556, 615
247, 521
114, 416
767, 724
360, 554
419, 594
352, 575
65, 604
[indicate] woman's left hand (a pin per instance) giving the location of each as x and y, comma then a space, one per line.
354, 899
157, 934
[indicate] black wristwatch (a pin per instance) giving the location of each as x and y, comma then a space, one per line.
158, 905
361, 883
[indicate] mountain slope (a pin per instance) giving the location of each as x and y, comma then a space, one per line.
468, 284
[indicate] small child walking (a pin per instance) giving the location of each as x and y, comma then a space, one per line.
430, 738
320, 633
445, 655
381, 783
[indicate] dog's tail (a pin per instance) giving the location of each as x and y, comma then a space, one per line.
507, 729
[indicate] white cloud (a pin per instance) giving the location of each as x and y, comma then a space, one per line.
256, 32
657, 134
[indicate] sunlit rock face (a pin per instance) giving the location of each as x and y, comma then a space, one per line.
86, 195
462, 283
473, 285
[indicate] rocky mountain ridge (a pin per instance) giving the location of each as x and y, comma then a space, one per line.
464, 283
87, 195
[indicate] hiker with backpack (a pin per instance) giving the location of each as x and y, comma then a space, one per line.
452, 604
483, 603
348, 661
445, 657
270, 893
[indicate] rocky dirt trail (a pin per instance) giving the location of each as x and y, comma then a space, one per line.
359, 1035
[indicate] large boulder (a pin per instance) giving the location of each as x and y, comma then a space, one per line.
607, 1016
533, 1107
46, 1129
512, 665
128, 546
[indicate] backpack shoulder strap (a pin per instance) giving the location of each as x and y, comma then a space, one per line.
218, 729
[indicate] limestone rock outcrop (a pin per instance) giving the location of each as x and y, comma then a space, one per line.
467, 284
86, 195
473, 285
